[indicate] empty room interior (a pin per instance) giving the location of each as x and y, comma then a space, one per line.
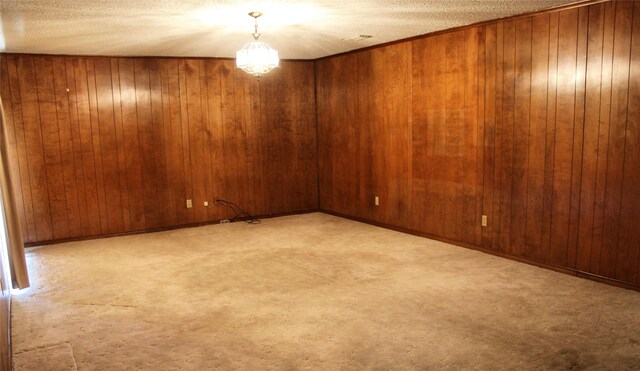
323, 185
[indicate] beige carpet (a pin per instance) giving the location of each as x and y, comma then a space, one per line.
312, 292
54, 357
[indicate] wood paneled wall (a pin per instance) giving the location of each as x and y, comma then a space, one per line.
532, 121
112, 145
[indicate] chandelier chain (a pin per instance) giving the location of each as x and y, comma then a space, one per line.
255, 34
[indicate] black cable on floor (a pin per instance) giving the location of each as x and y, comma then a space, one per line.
239, 214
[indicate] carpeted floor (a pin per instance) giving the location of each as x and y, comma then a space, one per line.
310, 292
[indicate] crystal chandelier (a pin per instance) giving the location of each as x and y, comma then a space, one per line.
257, 58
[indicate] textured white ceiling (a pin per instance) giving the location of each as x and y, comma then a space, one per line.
217, 28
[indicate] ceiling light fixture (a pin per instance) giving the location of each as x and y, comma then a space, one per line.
256, 58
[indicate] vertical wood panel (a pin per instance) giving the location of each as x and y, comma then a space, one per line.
215, 137
96, 142
66, 146
34, 148
324, 72
437, 144
590, 142
240, 153
507, 145
254, 199
471, 163
131, 143
617, 137
521, 135
342, 180
276, 120
193, 70
230, 123
537, 131
51, 146
187, 169
628, 264
174, 141
479, 90
489, 144
422, 76
147, 143
205, 96
432, 129
122, 180
603, 136
550, 137
308, 144
454, 116
108, 144
498, 127
76, 140
394, 156
563, 142
364, 146
578, 137
161, 188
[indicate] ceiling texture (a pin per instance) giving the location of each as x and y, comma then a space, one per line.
217, 28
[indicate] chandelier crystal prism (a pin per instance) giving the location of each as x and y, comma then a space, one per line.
256, 57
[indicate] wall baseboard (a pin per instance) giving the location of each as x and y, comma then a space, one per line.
569, 271
128, 233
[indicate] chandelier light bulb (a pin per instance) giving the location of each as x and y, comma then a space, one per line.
256, 57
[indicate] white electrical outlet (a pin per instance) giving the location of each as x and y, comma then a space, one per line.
206, 204
376, 201
189, 203
484, 221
